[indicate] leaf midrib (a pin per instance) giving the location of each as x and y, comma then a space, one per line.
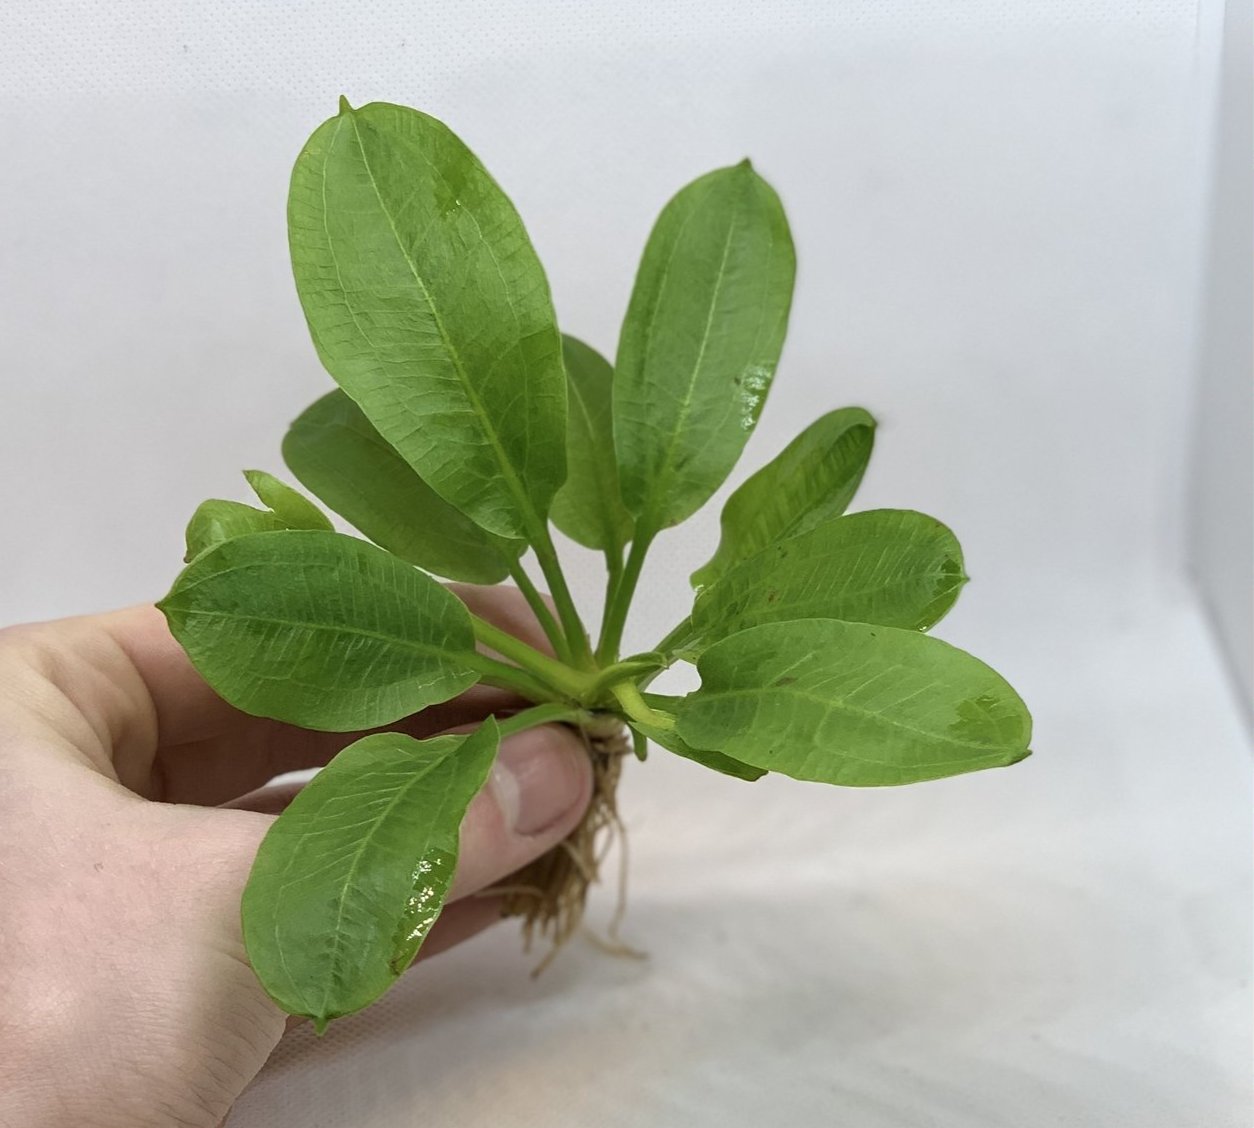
662, 478
358, 854
704, 620
805, 695
745, 523
365, 841
513, 482
709, 618
472, 536
332, 628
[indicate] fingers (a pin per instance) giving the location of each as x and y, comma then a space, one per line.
273, 799
253, 751
214, 772
183, 706
137, 708
107, 685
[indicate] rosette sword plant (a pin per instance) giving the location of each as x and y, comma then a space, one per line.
463, 425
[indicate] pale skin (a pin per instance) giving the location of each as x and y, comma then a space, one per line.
132, 802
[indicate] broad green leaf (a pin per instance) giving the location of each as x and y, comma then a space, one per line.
320, 630
338, 455
893, 567
216, 520
672, 742
811, 480
353, 874
589, 508
853, 704
700, 342
429, 307
292, 508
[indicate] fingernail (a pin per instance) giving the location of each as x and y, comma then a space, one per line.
539, 777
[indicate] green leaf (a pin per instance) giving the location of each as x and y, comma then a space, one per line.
811, 480
216, 520
320, 630
429, 307
292, 508
589, 507
337, 455
672, 742
893, 567
700, 342
853, 704
353, 874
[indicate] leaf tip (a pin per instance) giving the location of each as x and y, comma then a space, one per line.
345, 108
320, 1023
746, 164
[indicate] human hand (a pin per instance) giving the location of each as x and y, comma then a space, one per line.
132, 802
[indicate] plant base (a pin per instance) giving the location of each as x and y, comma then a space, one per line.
550, 894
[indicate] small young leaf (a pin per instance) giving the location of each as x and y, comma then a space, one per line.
700, 342
853, 704
216, 520
893, 567
672, 742
812, 479
589, 508
320, 630
292, 508
338, 455
429, 307
352, 875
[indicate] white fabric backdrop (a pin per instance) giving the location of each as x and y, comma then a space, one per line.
997, 210
1221, 532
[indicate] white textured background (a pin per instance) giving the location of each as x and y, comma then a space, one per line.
1000, 215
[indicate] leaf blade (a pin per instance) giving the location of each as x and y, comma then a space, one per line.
216, 520
700, 341
853, 704
429, 307
320, 630
291, 507
338, 455
891, 567
350, 878
811, 480
716, 761
589, 507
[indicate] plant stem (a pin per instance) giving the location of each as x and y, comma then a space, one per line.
629, 669
613, 577
576, 635
504, 676
555, 676
613, 567
540, 609
635, 706
548, 714
681, 635
618, 598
